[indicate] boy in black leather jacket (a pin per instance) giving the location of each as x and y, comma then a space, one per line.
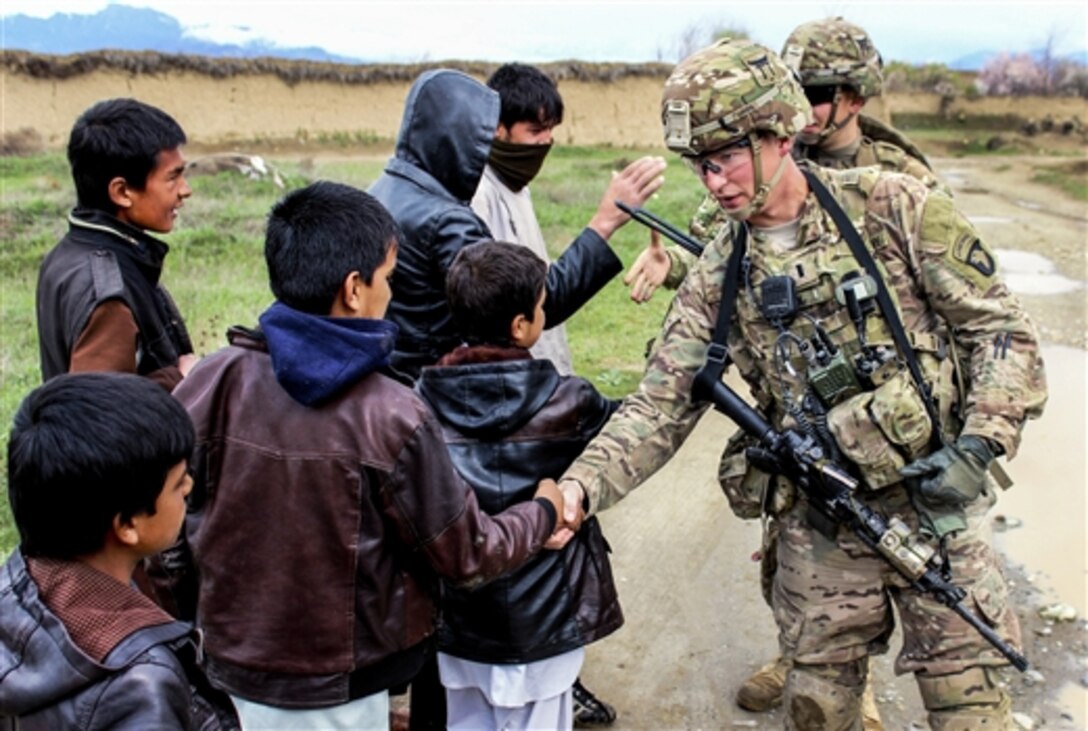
97, 478
511, 651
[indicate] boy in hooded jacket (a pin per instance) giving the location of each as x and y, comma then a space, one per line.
325, 506
444, 143
509, 652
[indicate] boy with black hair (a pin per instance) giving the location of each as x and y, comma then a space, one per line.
510, 652
530, 110
325, 505
97, 480
100, 305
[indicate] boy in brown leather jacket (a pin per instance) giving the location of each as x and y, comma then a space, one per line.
325, 506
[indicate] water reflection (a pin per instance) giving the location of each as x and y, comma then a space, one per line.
1045, 514
1029, 273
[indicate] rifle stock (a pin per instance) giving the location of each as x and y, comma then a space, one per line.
831, 491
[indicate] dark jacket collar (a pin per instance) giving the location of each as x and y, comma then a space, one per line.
107, 229
50, 666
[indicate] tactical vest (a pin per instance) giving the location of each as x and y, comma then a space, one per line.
822, 369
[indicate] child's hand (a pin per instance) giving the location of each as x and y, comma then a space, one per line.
571, 517
548, 490
186, 363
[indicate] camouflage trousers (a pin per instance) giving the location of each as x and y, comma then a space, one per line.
833, 601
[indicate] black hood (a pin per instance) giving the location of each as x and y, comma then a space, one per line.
448, 126
489, 400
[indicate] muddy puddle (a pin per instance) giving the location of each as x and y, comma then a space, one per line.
1028, 273
1041, 523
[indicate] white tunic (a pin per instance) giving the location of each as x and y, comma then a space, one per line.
511, 217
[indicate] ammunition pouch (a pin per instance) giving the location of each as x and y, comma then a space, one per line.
882, 430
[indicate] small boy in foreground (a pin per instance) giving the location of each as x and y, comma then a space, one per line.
97, 479
100, 304
510, 652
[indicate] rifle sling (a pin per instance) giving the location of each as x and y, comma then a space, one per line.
717, 353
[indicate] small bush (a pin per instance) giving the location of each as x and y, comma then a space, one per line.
22, 142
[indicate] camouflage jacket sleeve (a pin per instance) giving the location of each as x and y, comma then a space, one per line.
900, 161
995, 339
654, 421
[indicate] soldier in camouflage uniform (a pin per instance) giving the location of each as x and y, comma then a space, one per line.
732, 111
840, 70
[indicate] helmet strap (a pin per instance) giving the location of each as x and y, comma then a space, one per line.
762, 190
833, 125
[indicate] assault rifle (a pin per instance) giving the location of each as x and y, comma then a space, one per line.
831, 491
661, 226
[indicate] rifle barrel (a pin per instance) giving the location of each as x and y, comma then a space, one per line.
661, 226
1018, 661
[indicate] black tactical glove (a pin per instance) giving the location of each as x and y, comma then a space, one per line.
953, 475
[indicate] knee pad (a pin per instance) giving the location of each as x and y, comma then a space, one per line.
825, 697
965, 701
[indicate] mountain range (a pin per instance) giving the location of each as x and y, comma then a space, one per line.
122, 27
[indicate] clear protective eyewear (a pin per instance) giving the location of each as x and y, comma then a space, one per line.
720, 162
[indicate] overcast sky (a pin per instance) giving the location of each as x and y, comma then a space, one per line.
409, 30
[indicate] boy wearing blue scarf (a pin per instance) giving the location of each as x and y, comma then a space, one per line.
325, 507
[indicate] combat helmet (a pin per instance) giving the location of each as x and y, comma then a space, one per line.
834, 52
728, 91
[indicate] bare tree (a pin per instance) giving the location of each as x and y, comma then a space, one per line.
699, 34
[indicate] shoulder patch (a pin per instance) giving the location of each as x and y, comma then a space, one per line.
944, 228
106, 273
970, 250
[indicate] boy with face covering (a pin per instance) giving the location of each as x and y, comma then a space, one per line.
531, 108
444, 144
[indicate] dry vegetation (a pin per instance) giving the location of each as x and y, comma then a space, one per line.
291, 72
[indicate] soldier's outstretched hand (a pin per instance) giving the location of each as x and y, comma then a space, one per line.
633, 185
649, 270
570, 520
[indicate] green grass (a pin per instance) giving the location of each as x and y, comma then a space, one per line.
1072, 178
216, 273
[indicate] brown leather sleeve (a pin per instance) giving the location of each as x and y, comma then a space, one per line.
108, 343
437, 513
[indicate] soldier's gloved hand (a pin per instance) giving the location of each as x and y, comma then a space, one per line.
953, 475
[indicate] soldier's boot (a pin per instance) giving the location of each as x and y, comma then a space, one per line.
825, 697
966, 701
870, 714
762, 690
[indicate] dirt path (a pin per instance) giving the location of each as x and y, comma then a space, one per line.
696, 624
